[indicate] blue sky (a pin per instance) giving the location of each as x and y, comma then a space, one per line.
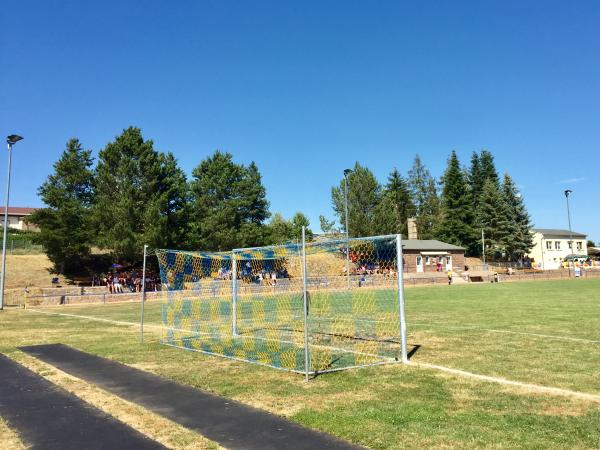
307, 88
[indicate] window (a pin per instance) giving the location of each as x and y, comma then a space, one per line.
557, 245
548, 245
579, 245
427, 261
570, 245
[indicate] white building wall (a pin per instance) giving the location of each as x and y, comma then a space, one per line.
549, 251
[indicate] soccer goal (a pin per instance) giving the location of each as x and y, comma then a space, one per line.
309, 307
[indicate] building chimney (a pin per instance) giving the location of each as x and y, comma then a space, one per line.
412, 228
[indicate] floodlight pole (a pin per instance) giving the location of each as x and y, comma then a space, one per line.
401, 311
143, 295
567, 193
346, 173
10, 141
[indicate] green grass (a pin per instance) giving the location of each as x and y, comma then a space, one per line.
395, 406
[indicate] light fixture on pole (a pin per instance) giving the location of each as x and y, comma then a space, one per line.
10, 141
346, 173
567, 193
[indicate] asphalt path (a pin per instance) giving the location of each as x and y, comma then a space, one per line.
229, 423
48, 417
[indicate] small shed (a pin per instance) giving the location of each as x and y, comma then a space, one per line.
430, 255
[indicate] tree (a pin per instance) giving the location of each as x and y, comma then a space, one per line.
228, 204
298, 221
327, 226
141, 197
455, 226
425, 198
476, 179
494, 218
281, 230
395, 206
364, 194
64, 224
521, 240
488, 168
590, 243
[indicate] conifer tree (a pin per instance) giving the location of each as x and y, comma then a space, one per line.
424, 196
65, 230
476, 179
493, 217
228, 205
521, 241
395, 206
488, 168
455, 226
140, 197
364, 192
327, 226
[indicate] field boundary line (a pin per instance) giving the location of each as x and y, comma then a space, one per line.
493, 330
386, 359
533, 387
98, 319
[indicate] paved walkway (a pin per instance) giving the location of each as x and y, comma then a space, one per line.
229, 423
47, 417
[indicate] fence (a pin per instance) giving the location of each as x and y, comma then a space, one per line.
86, 298
293, 307
16, 246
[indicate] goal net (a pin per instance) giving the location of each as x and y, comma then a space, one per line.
309, 308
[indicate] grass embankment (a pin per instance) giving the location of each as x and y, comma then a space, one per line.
544, 333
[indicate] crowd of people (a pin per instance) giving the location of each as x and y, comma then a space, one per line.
119, 282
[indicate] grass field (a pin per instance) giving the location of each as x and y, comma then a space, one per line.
544, 334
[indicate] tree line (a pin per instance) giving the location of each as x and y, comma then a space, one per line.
456, 208
136, 195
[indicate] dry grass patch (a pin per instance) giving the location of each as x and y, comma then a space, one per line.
9, 439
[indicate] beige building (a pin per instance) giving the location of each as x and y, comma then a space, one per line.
17, 216
551, 246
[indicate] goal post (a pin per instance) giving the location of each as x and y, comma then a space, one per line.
306, 307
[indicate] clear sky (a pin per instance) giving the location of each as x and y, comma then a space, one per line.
307, 88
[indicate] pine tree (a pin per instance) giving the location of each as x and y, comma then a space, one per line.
476, 179
395, 206
364, 193
298, 221
488, 168
228, 205
455, 226
64, 224
140, 197
494, 219
327, 226
521, 241
424, 196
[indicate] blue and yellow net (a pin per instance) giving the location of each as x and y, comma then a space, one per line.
249, 304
